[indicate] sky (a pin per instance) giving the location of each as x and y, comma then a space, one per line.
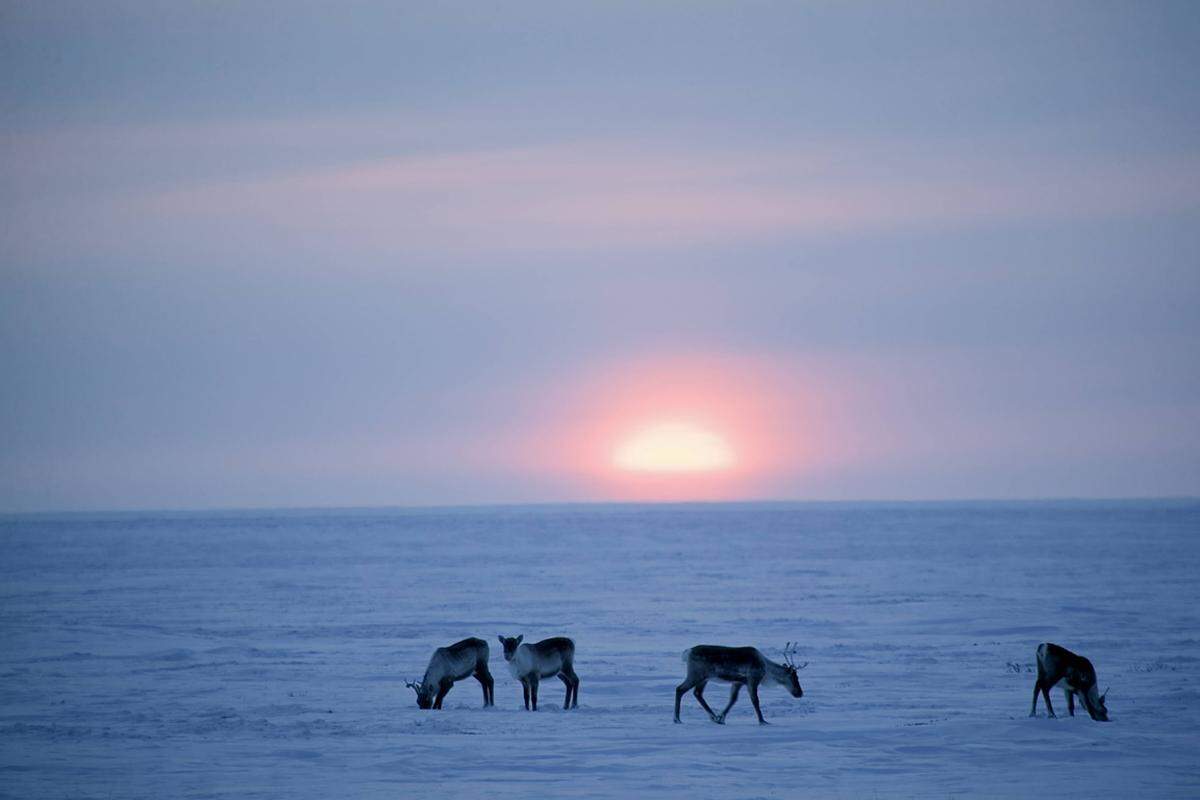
311, 254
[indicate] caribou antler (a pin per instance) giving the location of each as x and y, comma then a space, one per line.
416, 687
789, 650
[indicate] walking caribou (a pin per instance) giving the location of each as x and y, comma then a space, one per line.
741, 666
1058, 666
529, 663
450, 664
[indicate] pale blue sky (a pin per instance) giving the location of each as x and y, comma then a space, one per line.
361, 253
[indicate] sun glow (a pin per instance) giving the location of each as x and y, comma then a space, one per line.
673, 447
677, 428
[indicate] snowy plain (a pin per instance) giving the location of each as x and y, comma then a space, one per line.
262, 654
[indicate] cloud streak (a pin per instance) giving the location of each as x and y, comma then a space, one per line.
262, 185
588, 196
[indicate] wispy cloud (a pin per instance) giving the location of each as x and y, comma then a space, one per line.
273, 184
596, 195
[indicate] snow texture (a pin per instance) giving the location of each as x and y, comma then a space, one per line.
263, 654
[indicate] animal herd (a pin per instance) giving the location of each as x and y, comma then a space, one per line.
738, 666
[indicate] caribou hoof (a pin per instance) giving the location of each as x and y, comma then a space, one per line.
678, 721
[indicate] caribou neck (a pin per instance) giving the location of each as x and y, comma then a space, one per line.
777, 672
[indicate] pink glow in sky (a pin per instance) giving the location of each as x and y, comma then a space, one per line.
257, 254
758, 409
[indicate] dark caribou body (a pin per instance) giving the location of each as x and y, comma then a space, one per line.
450, 664
1058, 666
741, 666
529, 663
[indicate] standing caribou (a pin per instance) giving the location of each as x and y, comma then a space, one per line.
529, 663
1058, 666
740, 666
450, 664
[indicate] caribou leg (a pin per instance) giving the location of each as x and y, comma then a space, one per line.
733, 696
485, 680
533, 688
569, 671
754, 700
699, 692
680, 691
1070, 701
1046, 698
443, 690
562, 676
525, 689
1037, 687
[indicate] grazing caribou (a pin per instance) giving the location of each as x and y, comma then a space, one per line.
529, 663
1058, 666
450, 664
740, 666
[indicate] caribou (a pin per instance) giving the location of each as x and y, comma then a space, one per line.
740, 666
529, 663
1058, 666
450, 664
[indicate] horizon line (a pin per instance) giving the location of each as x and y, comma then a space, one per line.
550, 504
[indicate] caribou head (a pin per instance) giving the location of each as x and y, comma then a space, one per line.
1096, 708
789, 650
510, 644
424, 697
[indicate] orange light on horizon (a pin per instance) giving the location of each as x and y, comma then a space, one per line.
670, 447
678, 427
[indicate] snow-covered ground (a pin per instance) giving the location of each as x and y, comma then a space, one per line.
257, 654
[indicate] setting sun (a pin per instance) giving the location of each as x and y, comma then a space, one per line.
673, 447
